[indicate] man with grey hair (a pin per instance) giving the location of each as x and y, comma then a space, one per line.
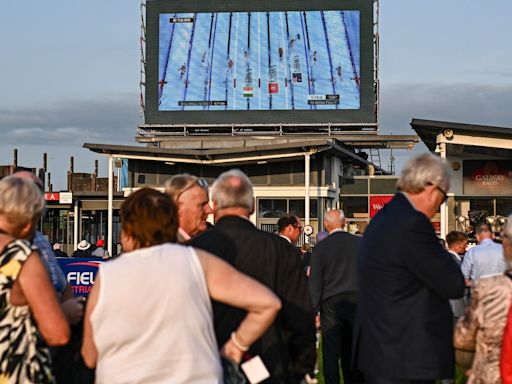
333, 288
190, 194
484, 259
288, 347
404, 321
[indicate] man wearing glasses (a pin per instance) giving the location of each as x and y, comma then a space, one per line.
404, 321
484, 259
190, 194
289, 227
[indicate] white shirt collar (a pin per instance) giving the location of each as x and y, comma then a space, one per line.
284, 237
185, 236
459, 257
336, 230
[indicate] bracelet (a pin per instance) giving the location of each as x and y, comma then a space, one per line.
241, 347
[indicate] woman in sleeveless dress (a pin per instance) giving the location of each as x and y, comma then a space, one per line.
149, 317
30, 315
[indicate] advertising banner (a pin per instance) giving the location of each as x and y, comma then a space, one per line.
377, 202
80, 273
487, 177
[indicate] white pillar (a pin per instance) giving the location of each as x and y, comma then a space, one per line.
307, 168
444, 206
110, 204
75, 225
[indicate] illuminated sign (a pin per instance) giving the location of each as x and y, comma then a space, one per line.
487, 177
213, 64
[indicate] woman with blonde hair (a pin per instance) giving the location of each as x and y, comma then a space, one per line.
29, 306
149, 315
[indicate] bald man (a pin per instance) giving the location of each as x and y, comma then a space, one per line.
333, 288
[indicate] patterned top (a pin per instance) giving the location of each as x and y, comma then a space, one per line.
23, 356
481, 328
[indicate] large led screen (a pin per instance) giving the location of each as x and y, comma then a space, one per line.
211, 63
259, 61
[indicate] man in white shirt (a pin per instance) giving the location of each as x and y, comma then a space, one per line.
190, 194
290, 228
484, 259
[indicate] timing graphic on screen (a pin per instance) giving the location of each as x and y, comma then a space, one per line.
259, 61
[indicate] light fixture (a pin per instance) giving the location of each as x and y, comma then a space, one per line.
448, 133
455, 165
262, 162
169, 163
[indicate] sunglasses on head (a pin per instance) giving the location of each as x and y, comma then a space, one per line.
201, 182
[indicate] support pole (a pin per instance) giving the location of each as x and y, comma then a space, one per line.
110, 204
75, 225
444, 206
307, 161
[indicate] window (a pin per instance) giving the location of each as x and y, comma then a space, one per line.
272, 208
275, 208
383, 186
353, 186
355, 207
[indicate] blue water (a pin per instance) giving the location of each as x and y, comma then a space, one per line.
206, 61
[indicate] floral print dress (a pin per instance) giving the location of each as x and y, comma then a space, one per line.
24, 358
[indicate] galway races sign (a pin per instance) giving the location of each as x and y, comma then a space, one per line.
487, 177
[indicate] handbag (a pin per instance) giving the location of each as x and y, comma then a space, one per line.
231, 372
464, 358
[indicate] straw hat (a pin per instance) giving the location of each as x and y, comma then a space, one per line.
83, 245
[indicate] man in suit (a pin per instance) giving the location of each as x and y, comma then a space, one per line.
333, 288
457, 243
288, 347
190, 194
404, 321
289, 228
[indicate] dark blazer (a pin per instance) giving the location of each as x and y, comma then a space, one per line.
288, 347
404, 322
333, 267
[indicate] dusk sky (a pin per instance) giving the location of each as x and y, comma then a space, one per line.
69, 74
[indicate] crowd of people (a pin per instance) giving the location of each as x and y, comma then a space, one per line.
192, 302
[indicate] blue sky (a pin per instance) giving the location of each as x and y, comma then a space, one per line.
69, 73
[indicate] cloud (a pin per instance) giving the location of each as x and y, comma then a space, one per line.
461, 103
110, 119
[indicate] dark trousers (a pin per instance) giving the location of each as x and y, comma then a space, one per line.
382, 380
337, 314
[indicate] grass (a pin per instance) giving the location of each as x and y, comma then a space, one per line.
460, 378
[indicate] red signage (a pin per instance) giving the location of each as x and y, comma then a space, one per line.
377, 202
52, 196
273, 87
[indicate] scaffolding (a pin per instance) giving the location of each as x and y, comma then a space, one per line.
142, 79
